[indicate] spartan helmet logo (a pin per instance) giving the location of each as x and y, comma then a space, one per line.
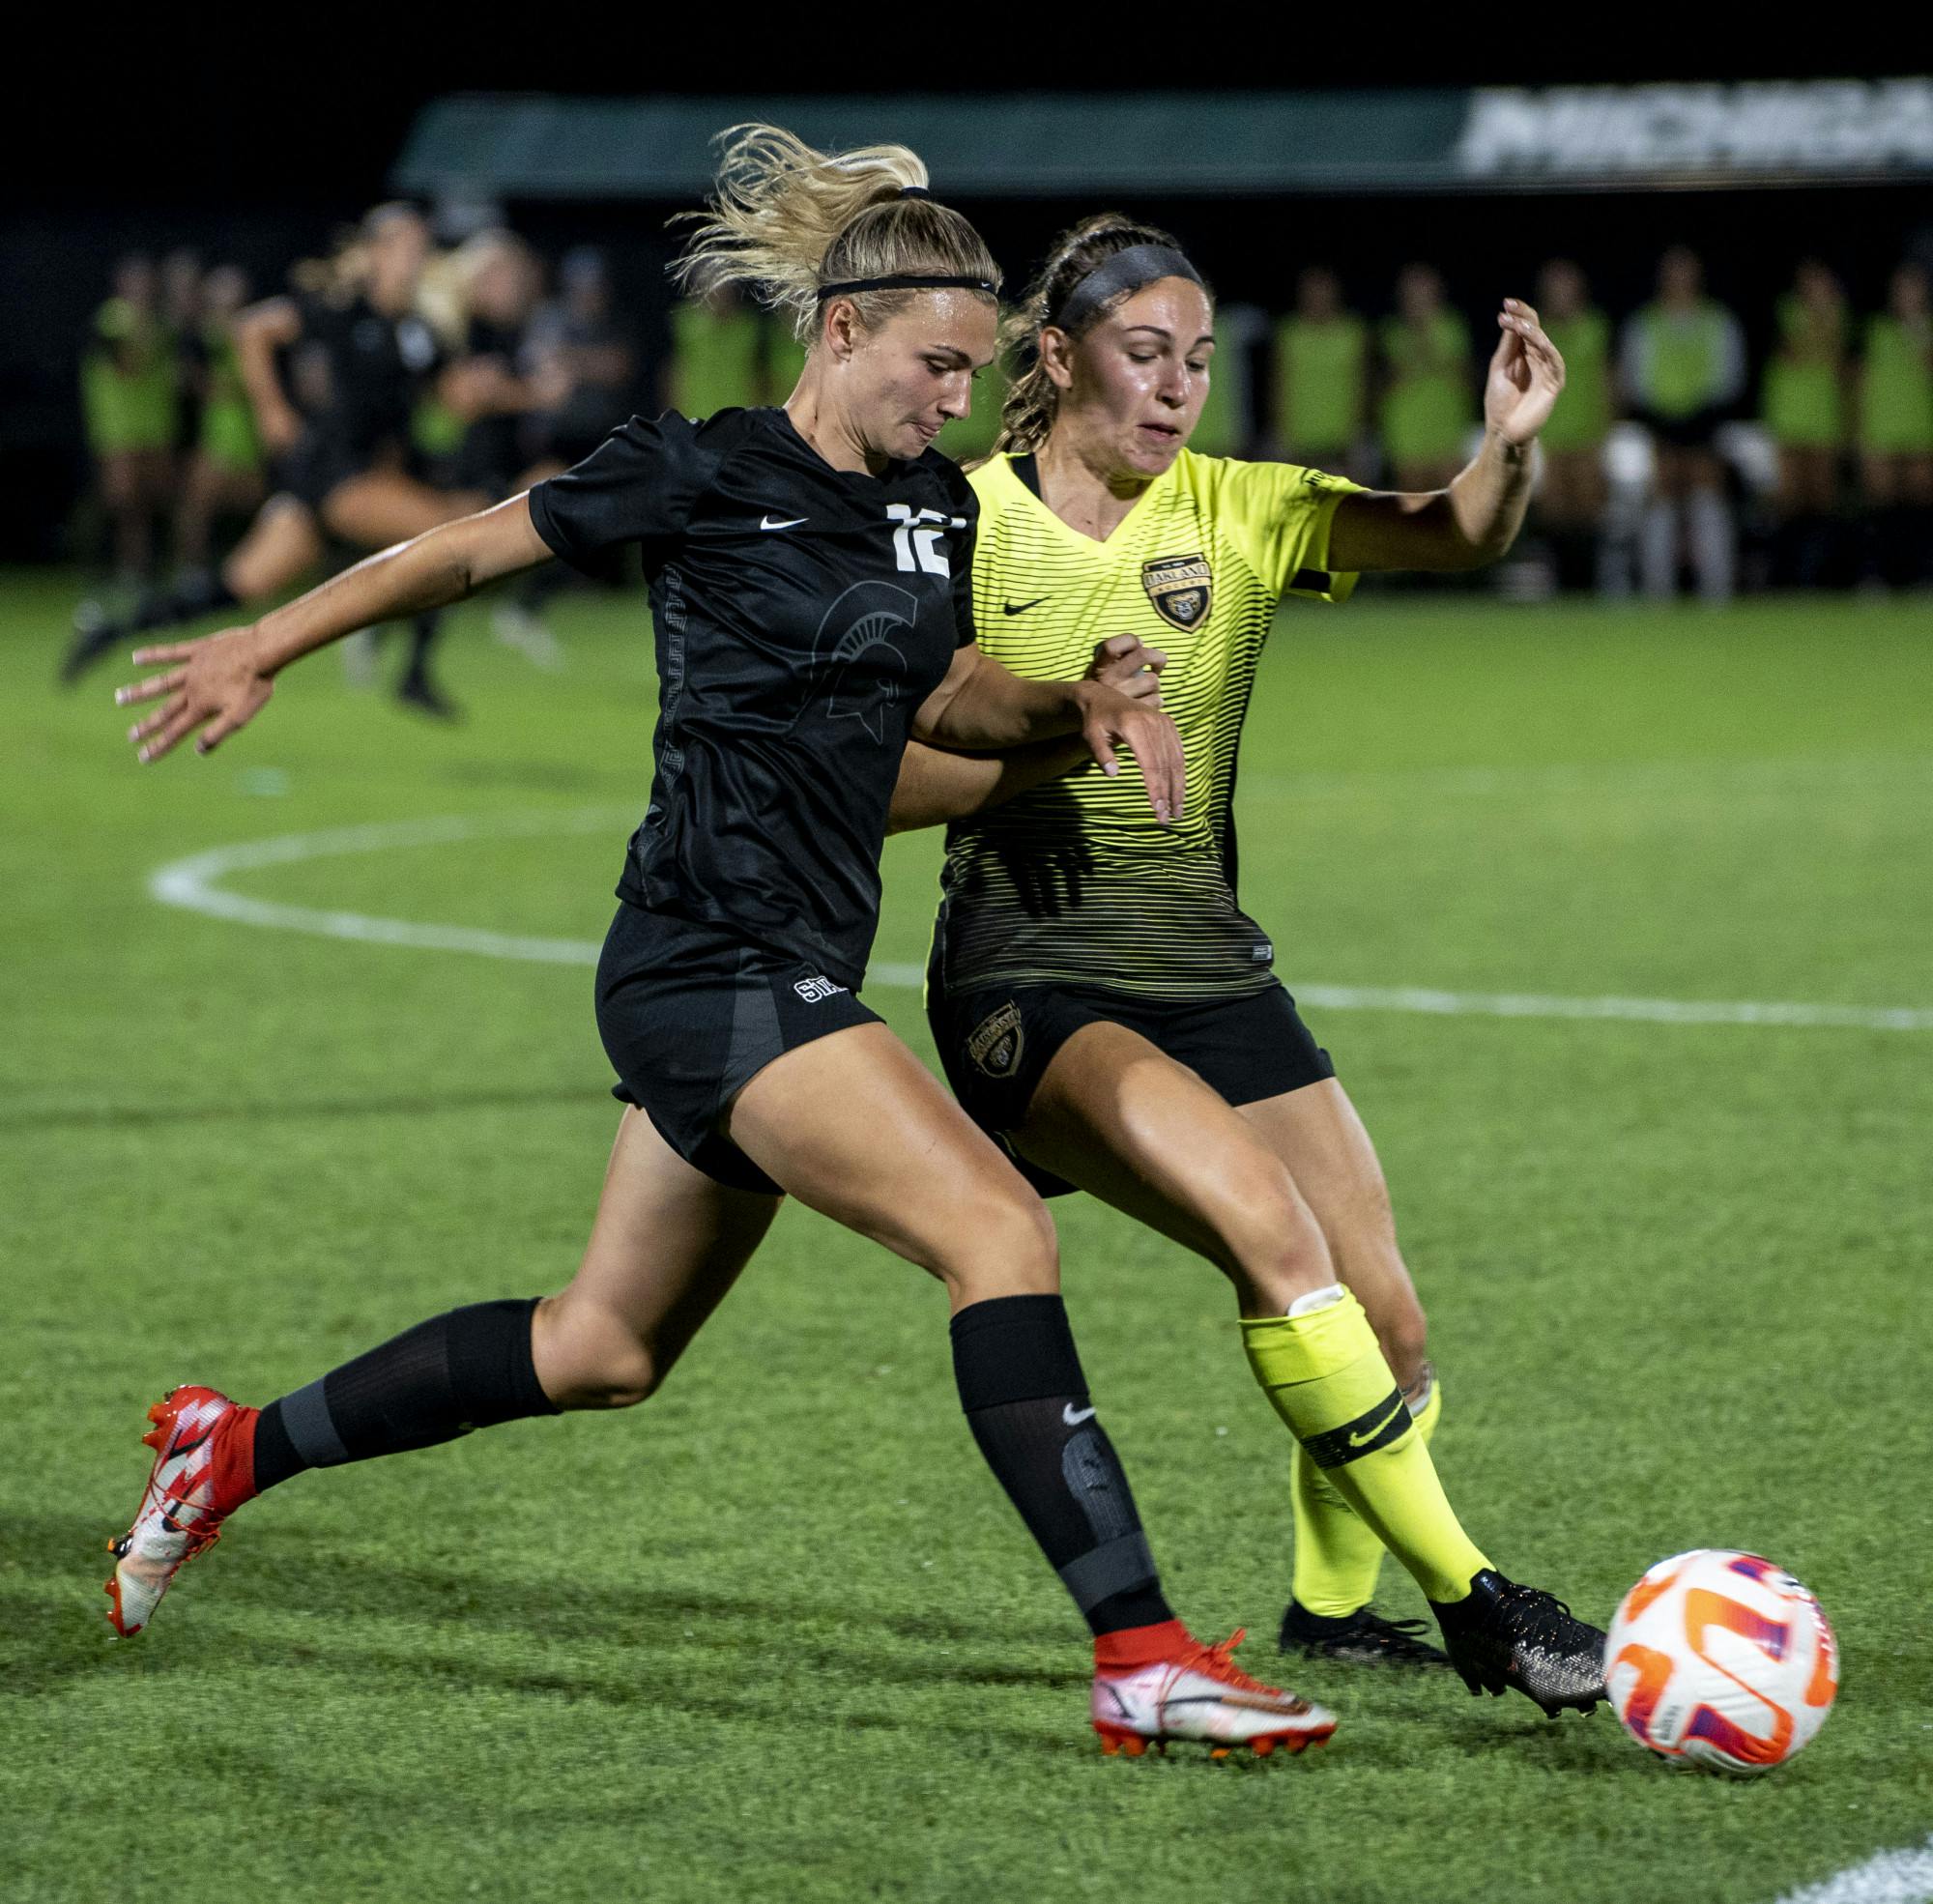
1181, 588
857, 656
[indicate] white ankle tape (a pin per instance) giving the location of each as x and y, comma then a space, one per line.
1326, 1297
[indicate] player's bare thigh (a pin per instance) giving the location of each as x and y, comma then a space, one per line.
284, 543
382, 507
666, 1247
1320, 1138
1117, 1115
856, 1126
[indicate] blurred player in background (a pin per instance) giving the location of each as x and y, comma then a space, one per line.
811, 585
1322, 377
1099, 1001
1895, 431
581, 350
502, 386
1682, 363
127, 386
181, 319
360, 355
578, 337
224, 471
1803, 407
1571, 491
1423, 405
1227, 423
715, 354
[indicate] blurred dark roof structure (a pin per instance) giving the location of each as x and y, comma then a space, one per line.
1211, 144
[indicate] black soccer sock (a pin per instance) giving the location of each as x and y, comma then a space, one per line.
423, 631
1026, 1402
468, 1369
188, 598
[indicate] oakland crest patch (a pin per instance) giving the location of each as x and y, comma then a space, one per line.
995, 1042
1181, 588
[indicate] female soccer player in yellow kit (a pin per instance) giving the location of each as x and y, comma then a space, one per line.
1101, 1003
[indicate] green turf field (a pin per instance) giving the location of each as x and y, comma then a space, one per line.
778, 1635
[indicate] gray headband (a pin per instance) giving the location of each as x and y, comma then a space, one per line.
1132, 270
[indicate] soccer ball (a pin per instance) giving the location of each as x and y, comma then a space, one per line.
1721, 1660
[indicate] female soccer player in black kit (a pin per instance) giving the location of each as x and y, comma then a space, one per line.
810, 583
360, 355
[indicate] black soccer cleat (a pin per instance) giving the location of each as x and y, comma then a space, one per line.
1505, 1635
1361, 1638
417, 691
95, 633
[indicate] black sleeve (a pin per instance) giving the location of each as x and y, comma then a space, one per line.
964, 630
638, 485
965, 500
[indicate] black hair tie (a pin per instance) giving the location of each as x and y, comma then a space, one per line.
909, 281
914, 192
1132, 269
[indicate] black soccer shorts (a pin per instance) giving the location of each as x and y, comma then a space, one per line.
995, 1046
690, 1014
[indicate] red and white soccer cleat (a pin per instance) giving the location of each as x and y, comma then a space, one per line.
1198, 1692
204, 1469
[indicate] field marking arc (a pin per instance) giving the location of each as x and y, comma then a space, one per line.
192, 884
1886, 1877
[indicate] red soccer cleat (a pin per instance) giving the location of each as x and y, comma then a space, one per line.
204, 1470
1198, 1692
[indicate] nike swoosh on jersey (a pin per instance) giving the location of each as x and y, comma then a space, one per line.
1021, 608
765, 522
1071, 1417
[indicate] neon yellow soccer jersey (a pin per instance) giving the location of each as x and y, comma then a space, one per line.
1076, 882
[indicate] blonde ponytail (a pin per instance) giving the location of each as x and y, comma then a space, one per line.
342, 273
784, 219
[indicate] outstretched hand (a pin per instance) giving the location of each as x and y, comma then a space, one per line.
1127, 664
217, 685
1525, 377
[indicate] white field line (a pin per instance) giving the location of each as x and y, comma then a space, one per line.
194, 884
1888, 1877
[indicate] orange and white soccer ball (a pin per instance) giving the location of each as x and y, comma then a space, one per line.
1721, 1660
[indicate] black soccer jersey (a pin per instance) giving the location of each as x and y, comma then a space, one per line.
492, 449
368, 368
802, 615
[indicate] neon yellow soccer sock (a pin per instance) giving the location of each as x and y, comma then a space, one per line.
1337, 1556
1323, 1372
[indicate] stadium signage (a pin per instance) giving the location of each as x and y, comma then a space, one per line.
1823, 127
473, 146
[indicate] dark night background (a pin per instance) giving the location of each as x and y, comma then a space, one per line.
260, 150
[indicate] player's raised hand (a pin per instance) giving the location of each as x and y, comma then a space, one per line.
214, 683
1126, 662
1109, 721
1526, 374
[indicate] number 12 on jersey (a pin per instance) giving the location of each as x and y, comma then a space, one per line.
916, 534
